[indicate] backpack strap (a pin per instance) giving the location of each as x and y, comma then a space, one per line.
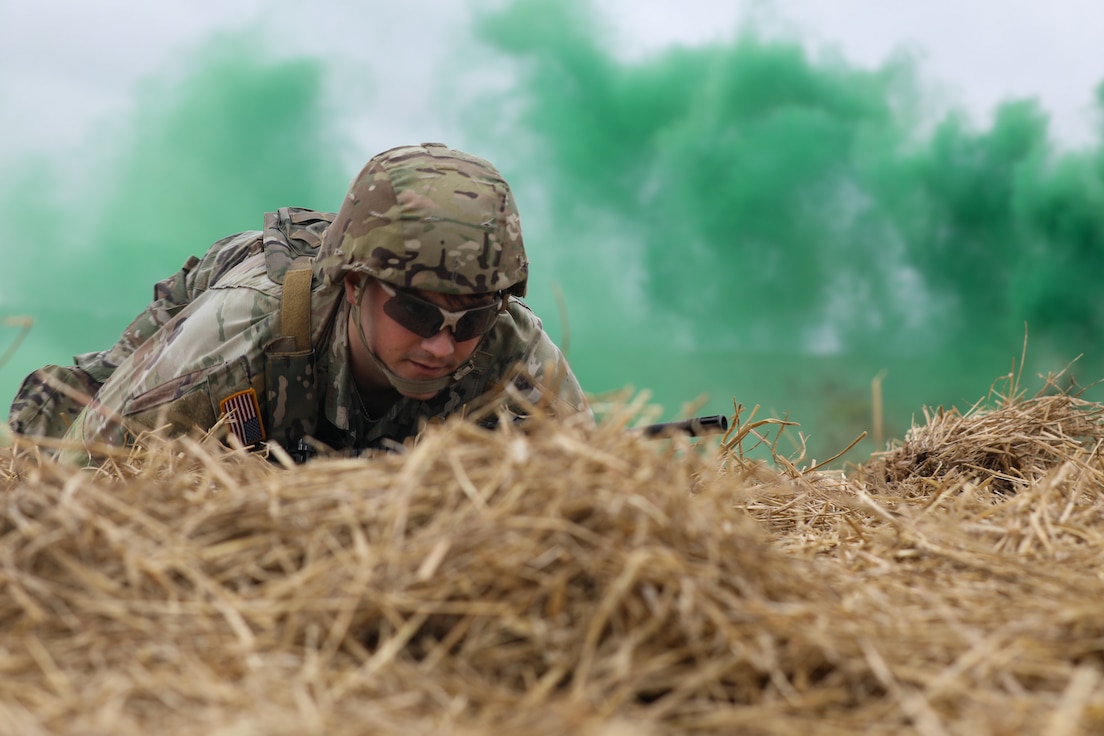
295, 304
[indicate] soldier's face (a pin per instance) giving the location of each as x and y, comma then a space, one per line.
409, 355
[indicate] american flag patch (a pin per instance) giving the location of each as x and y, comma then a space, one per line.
244, 416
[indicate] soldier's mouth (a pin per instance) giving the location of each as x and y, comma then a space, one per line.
430, 370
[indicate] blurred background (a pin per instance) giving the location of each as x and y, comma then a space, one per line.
779, 204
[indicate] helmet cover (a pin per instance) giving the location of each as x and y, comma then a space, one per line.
428, 217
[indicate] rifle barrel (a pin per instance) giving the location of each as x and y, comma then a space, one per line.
694, 427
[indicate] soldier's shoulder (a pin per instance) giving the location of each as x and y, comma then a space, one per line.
250, 274
524, 319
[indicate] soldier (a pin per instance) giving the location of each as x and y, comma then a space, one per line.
348, 330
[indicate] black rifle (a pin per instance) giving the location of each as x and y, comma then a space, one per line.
694, 426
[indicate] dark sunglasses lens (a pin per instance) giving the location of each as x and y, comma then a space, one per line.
425, 319
475, 323
421, 318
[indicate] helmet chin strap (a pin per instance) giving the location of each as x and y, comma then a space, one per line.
405, 385
408, 386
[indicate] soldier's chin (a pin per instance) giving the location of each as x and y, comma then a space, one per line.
423, 396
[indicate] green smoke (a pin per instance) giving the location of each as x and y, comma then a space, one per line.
753, 177
746, 219
210, 153
206, 153
800, 222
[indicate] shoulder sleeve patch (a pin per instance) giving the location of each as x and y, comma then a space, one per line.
244, 416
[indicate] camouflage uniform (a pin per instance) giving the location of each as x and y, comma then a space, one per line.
213, 330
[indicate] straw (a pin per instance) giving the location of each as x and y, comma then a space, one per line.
554, 578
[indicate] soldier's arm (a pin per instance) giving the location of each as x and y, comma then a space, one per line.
175, 380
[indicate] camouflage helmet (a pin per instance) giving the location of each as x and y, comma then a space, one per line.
428, 217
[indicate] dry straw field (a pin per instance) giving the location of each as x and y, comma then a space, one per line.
557, 579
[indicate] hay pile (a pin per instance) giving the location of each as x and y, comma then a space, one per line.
564, 579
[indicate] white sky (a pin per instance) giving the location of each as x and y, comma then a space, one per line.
65, 64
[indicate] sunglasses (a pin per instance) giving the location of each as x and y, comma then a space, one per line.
426, 319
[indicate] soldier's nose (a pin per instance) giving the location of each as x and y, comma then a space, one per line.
440, 345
